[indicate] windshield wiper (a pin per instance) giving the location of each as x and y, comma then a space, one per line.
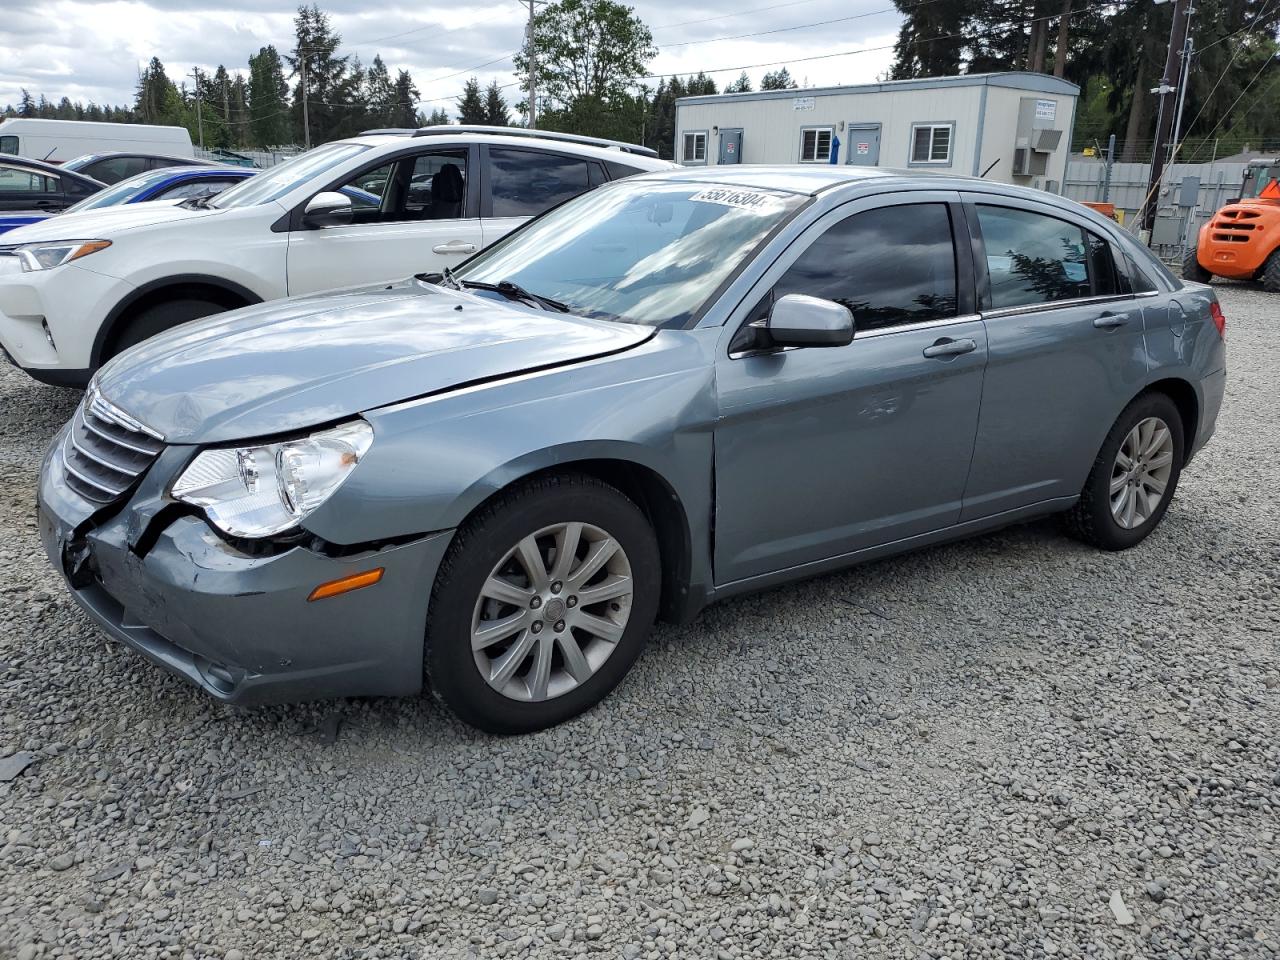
513, 291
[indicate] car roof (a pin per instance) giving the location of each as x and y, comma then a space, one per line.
53, 168
109, 154
809, 180
518, 141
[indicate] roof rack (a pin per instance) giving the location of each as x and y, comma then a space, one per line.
444, 130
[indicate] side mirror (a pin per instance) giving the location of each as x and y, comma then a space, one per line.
326, 210
798, 320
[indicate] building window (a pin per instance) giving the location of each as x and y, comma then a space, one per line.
695, 147
931, 143
815, 144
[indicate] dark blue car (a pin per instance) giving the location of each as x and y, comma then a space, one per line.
170, 183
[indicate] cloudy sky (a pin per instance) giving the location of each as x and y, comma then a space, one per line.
91, 50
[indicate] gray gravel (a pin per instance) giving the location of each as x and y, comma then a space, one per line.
1013, 746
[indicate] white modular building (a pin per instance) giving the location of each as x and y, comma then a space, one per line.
1012, 127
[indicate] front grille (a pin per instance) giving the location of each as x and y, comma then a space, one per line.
106, 450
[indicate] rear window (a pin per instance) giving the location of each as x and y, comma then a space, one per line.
619, 170
1033, 258
526, 182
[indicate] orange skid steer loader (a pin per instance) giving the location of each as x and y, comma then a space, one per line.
1242, 240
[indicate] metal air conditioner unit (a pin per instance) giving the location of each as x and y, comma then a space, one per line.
1029, 163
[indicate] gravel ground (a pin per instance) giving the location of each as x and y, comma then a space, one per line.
1013, 746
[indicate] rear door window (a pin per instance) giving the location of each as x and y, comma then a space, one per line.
9, 144
891, 266
524, 183
1033, 258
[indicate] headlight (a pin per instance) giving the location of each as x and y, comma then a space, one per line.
256, 491
46, 256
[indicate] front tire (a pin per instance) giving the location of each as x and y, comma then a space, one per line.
1270, 275
542, 604
1191, 269
1133, 478
157, 318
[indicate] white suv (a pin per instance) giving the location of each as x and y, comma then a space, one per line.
77, 289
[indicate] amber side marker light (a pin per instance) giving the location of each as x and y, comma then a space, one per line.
346, 584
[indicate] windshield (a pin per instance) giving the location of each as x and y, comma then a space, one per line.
79, 162
121, 192
1259, 178
647, 253
276, 181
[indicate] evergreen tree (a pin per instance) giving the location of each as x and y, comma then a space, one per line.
328, 88
700, 86
439, 117
269, 123
27, 106
779, 79
405, 111
741, 85
379, 94
495, 106
471, 108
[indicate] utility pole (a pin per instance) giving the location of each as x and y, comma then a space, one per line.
533, 70
195, 72
306, 117
1170, 83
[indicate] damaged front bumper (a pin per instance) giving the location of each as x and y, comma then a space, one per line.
239, 625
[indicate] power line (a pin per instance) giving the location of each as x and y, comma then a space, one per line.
802, 26
740, 13
888, 46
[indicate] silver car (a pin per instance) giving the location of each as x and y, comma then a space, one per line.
678, 388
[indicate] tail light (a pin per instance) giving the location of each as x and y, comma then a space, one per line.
1219, 318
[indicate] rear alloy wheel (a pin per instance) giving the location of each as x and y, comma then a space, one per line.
1133, 478
1191, 269
542, 604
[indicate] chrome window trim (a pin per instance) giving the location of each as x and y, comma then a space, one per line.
1063, 304
912, 327
867, 334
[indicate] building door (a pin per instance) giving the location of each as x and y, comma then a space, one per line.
730, 145
864, 144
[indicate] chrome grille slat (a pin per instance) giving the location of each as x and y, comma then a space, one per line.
111, 491
106, 450
136, 445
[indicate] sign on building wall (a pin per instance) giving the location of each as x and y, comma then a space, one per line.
1046, 109
803, 103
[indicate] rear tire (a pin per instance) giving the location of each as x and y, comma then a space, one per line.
1120, 505
1270, 275
494, 621
1191, 269
158, 318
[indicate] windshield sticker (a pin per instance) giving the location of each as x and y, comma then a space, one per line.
742, 199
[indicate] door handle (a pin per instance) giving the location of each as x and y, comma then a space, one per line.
1110, 320
454, 246
946, 347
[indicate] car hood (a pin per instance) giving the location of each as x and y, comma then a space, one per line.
11, 221
103, 223
294, 364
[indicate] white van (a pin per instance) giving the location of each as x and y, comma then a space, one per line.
60, 140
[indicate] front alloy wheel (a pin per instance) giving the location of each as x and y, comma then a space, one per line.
552, 611
542, 604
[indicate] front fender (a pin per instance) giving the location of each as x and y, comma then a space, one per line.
434, 460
